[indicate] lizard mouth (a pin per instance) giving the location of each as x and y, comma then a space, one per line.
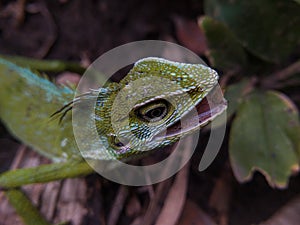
207, 109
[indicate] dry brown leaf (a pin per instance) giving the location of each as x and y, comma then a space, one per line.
118, 205
192, 214
71, 205
175, 200
155, 203
59, 200
287, 215
189, 34
68, 78
221, 196
133, 207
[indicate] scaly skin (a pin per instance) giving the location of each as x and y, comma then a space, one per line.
152, 83
26, 103
170, 90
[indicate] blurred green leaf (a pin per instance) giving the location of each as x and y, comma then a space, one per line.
45, 65
234, 94
298, 1
269, 29
265, 137
225, 52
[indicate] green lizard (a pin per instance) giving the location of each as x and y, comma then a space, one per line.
28, 100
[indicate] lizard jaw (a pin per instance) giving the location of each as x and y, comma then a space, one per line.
207, 111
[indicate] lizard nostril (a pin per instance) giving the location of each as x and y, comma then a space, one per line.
117, 142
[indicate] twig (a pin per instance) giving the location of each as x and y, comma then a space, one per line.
45, 65
16, 11
290, 70
20, 15
226, 77
291, 82
15, 163
273, 80
221, 195
154, 205
18, 158
174, 203
117, 205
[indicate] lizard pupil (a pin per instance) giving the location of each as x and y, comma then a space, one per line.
153, 111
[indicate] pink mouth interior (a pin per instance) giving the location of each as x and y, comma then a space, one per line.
207, 109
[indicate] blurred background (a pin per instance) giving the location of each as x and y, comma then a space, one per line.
255, 47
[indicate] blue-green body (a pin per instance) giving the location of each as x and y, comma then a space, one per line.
26, 104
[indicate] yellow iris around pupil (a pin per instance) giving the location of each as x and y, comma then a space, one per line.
153, 111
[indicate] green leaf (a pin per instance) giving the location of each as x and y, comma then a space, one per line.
298, 1
265, 137
234, 94
269, 29
225, 52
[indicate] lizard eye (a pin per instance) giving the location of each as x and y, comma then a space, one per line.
153, 111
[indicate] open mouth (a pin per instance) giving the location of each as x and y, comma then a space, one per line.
209, 108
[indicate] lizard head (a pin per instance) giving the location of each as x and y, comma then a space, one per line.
143, 111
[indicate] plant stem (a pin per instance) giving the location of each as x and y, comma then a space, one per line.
45, 65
